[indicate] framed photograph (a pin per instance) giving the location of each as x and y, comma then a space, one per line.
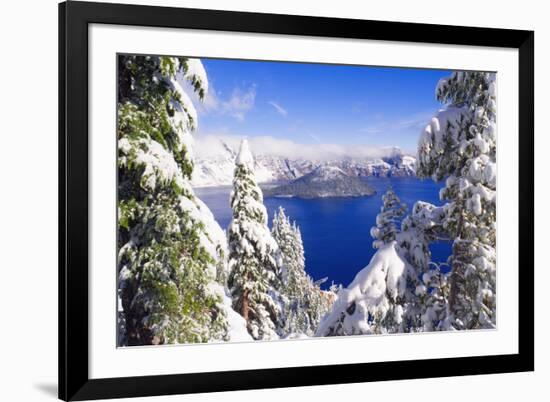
256, 201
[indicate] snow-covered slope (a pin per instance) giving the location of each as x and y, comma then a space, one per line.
214, 166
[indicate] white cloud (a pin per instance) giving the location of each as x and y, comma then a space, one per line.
412, 123
282, 111
371, 130
211, 101
237, 105
208, 145
314, 137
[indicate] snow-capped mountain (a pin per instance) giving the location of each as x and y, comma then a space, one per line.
215, 167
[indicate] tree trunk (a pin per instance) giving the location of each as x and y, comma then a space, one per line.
457, 265
244, 306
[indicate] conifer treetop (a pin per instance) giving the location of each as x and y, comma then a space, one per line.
244, 156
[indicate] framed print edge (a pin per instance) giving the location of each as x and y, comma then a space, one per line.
73, 202
74, 380
62, 334
526, 262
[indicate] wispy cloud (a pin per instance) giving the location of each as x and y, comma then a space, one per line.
371, 130
358, 107
413, 122
237, 105
208, 145
240, 103
314, 137
281, 110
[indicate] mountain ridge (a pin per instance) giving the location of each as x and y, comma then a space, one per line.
216, 169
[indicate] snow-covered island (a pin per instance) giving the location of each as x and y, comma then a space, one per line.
324, 182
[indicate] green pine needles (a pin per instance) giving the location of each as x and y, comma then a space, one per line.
254, 256
461, 146
388, 220
167, 260
304, 302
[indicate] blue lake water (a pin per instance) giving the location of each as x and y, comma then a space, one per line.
336, 231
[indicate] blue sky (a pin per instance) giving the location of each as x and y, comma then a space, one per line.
319, 103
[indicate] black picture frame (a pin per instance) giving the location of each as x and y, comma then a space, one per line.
74, 18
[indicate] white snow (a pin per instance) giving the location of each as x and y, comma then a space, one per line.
215, 162
409, 162
212, 237
217, 168
212, 227
257, 238
460, 144
432, 140
236, 324
196, 72
186, 106
371, 292
324, 172
236, 331
244, 157
158, 163
475, 204
296, 335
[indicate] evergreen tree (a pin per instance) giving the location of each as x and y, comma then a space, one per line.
254, 256
434, 295
391, 212
400, 290
425, 283
460, 145
373, 302
304, 302
169, 246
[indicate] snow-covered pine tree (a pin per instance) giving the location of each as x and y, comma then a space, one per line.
254, 256
388, 220
425, 298
373, 302
434, 299
293, 277
460, 145
169, 244
304, 303
316, 302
